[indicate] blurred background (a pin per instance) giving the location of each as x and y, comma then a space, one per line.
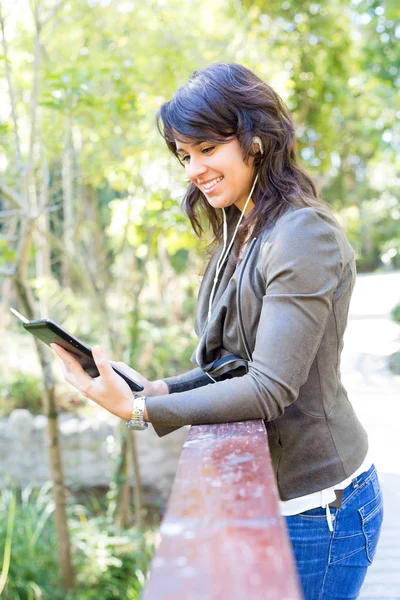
92, 235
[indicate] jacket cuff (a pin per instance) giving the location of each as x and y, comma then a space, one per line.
188, 381
181, 383
161, 430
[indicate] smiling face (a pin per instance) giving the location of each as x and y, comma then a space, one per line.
219, 171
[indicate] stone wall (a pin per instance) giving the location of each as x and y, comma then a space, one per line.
89, 448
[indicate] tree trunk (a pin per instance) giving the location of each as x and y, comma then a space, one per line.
50, 409
128, 450
137, 487
42, 247
123, 512
67, 183
129, 462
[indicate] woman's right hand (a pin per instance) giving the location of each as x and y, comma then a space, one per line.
151, 388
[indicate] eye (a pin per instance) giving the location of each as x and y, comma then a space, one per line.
185, 158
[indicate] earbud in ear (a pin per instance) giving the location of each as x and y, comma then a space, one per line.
257, 140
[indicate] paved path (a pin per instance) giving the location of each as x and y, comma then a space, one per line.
370, 338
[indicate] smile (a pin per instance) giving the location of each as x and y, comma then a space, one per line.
210, 185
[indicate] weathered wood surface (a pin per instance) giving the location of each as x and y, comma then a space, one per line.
222, 536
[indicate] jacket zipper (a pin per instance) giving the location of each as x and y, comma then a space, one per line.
238, 303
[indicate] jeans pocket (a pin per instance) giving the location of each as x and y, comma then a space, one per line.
371, 518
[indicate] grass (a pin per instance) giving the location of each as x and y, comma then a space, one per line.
109, 564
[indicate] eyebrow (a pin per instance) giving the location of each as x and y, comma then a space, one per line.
195, 143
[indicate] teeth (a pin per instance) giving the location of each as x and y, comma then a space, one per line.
211, 184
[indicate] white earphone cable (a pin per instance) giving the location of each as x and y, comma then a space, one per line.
225, 254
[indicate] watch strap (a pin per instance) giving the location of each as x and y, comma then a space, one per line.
137, 419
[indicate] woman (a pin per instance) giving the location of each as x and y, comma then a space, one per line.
271, 314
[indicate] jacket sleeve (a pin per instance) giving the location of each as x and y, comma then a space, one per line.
181, 383
301, 264
187, 381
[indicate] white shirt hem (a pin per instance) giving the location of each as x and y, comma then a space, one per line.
323, 497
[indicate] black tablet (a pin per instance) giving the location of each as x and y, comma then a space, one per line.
49, 332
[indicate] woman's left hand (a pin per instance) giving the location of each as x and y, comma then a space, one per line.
108, 390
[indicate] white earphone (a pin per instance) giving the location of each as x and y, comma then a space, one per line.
225, 250
257, 140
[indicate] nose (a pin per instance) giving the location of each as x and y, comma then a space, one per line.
196, 167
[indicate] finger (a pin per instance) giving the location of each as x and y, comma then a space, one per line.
58, 349
65, 356
70, 377
122, 367
102, 362
73, 371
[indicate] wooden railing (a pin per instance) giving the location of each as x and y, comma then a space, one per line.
222, 536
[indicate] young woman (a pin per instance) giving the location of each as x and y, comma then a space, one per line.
271, 314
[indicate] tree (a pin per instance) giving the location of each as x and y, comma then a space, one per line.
30, 213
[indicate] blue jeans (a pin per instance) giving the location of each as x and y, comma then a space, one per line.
333, 565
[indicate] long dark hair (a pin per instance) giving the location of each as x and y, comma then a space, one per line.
225, 101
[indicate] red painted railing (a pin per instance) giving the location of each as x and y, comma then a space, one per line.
222, 536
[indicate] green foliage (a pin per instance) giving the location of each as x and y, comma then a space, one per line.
340, 75
33, 547
394, 359
7, 253
335, 64
109, 564
396, 313
394, 363
19, 389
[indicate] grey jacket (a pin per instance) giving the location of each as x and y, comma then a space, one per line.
273, 344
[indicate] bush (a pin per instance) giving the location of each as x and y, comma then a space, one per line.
109, 563
396, 313
394, 363
33, 545
20, 390
24, 390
